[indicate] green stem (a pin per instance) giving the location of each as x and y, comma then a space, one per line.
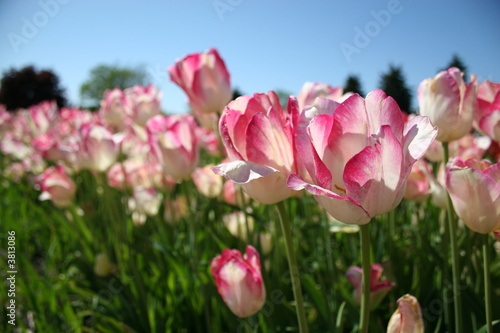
294, 269
365, 264
487, 283
452, 227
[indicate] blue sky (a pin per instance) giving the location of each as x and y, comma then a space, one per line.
266, 44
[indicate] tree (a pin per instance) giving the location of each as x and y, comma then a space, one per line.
236, 93
28, 86
103, 77
353, 85
394, 85
458, 63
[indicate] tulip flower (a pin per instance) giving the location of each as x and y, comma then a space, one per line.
258, 136
144, 202
418, 185
174, 142
206, 182
487, 116
311, 90
362, 154
407, 318
97, 150
115, 107
56, 186
239, 281
205, 80
145, 103
449, 102
474, 188
378, 288
236, 223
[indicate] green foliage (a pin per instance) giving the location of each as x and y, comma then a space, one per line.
103, 77
394, 85
163, 281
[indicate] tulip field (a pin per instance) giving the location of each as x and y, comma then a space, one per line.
332, 213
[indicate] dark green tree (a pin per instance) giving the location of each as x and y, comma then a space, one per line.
394, 85
457, 62
28, 86
237, 93
103, 77
352, 84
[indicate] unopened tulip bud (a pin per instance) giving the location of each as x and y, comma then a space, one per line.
407, 318
239, 281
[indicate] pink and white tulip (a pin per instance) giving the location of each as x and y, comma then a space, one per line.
418, 184
56, 186
205, 80
474, 188
145, 103
239, 281
487, 117
175, 144
407, 318
359, 154
449, 103
207, 183
378, 288
311, 90
259, 139
115, 107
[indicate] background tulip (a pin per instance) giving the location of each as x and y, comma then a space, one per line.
56, 186
205, 79
378, 288
474, 188
174, 142
407, 318
449, 102
239, 281
487, 116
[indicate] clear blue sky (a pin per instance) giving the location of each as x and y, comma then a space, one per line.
265, 44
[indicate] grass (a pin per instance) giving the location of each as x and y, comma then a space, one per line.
163, 281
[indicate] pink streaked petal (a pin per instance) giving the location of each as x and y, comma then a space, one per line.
343, 209
352, 116
319, 132
227, 140
419, 133
268, 142
476, 198
383, 110
354, 275
242, 172
490, 125
374, 176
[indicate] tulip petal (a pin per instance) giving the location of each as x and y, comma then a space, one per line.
419, 133
343, 209
374, 176
242, 172
475, 197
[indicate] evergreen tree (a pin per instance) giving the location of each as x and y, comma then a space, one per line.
28, 86
353, 85
394, 85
